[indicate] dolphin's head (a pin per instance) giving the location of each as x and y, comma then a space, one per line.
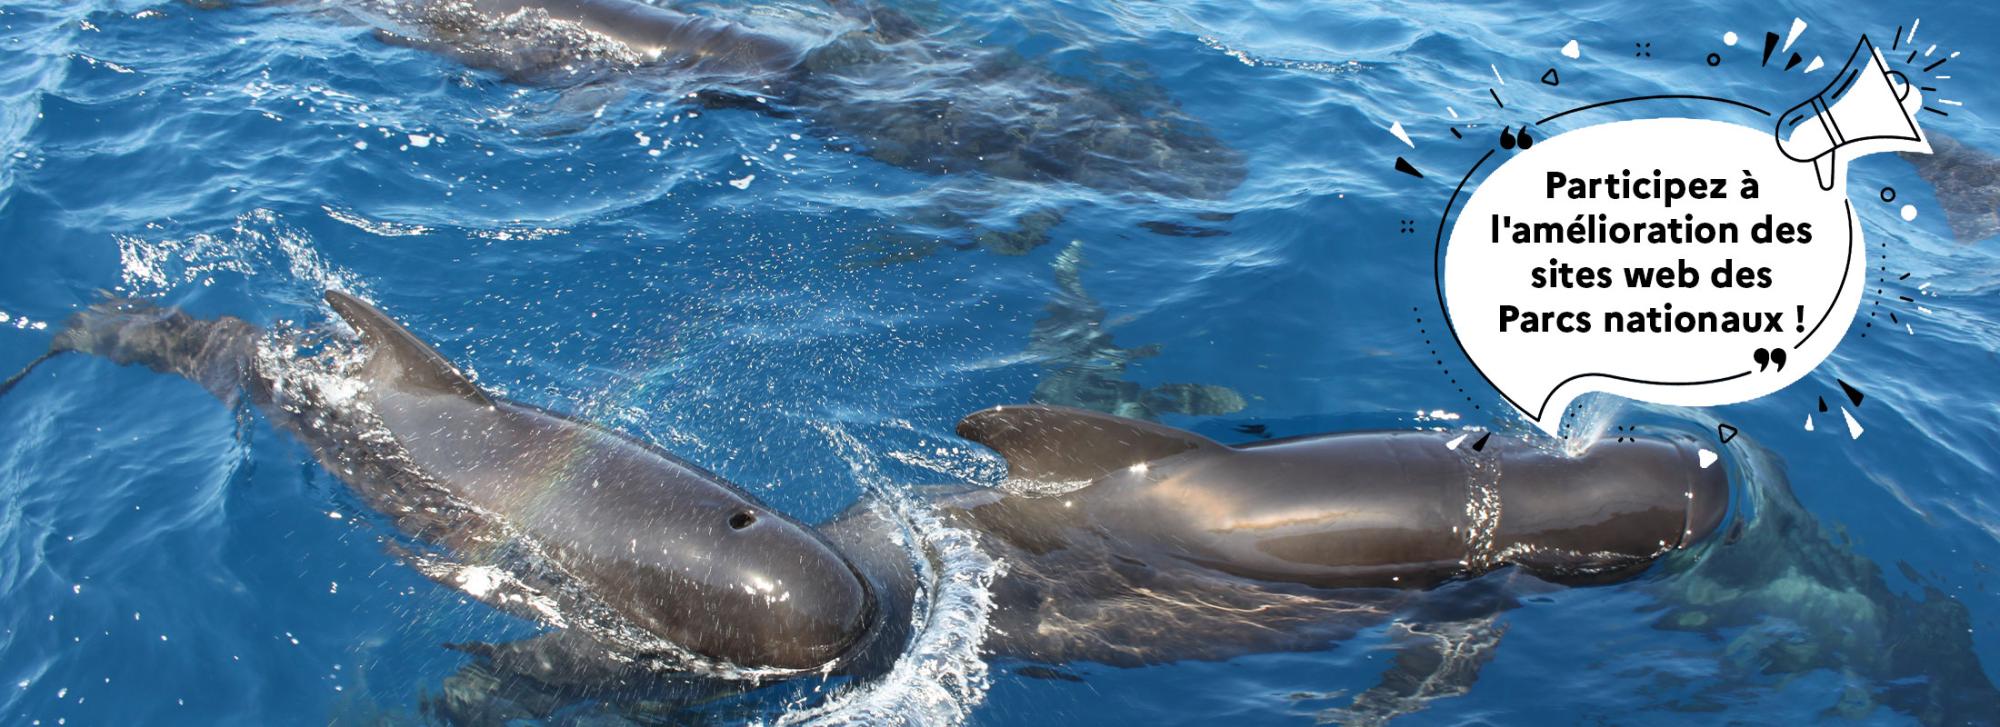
689, 558
1621, 504
1664, 486
787, 598
1649, 488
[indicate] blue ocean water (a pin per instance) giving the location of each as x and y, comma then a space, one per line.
749, 291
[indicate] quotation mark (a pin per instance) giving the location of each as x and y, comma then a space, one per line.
1509, 139
1769, 357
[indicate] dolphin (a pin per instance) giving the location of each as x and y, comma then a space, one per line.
651, 34
1962, 176
1136, 537
886, 90
1779, 597
1086, 369
1785, 595
622, 539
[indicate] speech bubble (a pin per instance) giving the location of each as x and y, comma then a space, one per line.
1678, 261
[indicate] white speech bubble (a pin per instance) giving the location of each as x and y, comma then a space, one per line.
1813, 287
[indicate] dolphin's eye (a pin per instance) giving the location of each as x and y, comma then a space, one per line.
742, 520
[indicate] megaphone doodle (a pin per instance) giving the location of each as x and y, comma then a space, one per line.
1867, 108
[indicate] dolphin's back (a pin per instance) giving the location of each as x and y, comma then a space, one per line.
666, 36
1356, 509
520, 461
592, 491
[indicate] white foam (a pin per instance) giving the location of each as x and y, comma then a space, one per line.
259, 243
479, 580
1246, 58
941, 676
376, 227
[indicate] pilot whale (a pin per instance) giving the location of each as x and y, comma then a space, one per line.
622, 539
885, 89
1159, 544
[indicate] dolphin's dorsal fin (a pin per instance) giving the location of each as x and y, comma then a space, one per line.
391, 345
1060, 444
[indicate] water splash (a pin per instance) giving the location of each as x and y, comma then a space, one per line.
259, 243
940, 676
1331, 68
22, 322
380, 228
1593, 417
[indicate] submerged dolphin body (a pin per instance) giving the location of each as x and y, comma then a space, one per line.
1966, 180
526, 38
1086, 369
1161, 545
884, 89
1781, 579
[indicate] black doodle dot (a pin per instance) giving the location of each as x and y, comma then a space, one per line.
1438, 361
1714, 60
